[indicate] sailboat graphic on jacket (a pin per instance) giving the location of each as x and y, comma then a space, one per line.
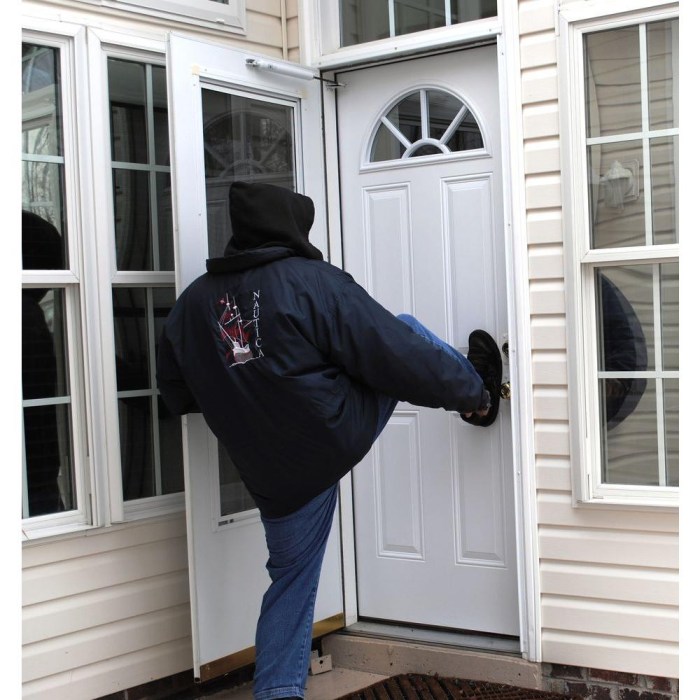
241, 336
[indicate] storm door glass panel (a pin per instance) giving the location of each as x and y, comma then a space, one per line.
49, 482
245, 139
251, 140
363, 20
150, 437
425, 123
414, 15
637, 308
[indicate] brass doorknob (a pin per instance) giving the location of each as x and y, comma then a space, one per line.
505, 391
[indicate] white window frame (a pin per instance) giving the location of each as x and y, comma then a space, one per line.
103, 45
88, 281
77, 286
575, 21
229, 17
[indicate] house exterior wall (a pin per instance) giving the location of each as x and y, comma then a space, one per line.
108, 609
608, 575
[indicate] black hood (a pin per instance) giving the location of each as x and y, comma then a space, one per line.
267, 223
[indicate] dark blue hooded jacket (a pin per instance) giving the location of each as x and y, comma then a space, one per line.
286, 356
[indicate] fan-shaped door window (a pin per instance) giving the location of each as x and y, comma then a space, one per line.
427, 122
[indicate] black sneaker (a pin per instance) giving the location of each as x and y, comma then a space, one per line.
485, 356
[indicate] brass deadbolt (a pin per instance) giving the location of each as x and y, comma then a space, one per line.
505, 390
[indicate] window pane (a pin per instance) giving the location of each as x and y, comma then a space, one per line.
48, 450
132, 220
671, 391
662, 67
625, 312
47, 426
44, 345
166, 242
630, 446
41, 101
136, 442
43, 207
160, 116
467, 137
616, 191
131, 339
670, 315
154, 448
43, 247
169, 425
406, 116
127, 100
664, 189
244, 139
386, 146
468, 10
442, 109
363, 20
613, 82
416, 15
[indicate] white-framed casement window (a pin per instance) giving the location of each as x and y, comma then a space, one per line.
98, 282
622, 247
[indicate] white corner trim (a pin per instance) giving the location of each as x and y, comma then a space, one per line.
519, 332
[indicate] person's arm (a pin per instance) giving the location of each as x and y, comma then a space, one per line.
373, 346
173, 388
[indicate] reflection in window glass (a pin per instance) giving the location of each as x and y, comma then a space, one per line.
234, 496
141, 172
664, 189
616, 194
368, 20
150, 437
251, 140
635, 393
244, 139
631, 447
662, 68
671, 392
613, 85
670, 315
48, 451
43, 188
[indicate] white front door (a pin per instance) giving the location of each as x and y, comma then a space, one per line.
234, 122
422, 220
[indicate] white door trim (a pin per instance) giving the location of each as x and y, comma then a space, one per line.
518, 329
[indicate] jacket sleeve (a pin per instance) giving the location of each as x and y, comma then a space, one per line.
374, 347
173, 388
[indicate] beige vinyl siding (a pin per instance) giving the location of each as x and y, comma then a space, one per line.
608, 576
106, 610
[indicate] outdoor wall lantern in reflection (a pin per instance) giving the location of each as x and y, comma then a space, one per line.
620, 184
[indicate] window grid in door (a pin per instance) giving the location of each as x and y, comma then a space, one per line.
426, 122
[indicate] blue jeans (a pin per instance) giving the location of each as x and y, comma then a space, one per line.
296, 544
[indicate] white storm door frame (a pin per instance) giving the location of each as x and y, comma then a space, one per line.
224, 615
510, 96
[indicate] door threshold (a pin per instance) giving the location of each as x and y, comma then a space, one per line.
438, 637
